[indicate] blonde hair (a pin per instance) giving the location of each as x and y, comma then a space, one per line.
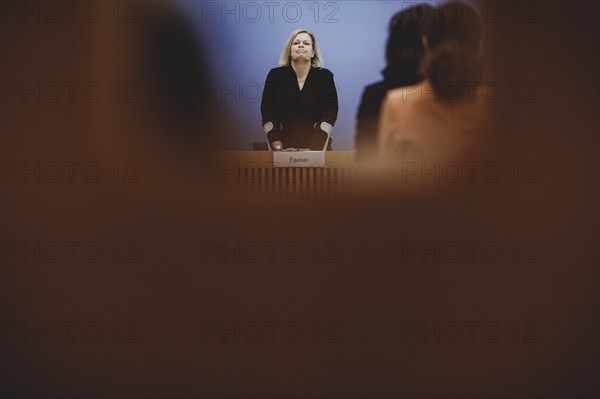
286, 53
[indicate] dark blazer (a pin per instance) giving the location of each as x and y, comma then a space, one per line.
367, 119
297, 116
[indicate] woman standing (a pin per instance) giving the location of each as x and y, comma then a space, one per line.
299, 104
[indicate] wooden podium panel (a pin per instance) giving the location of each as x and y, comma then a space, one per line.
253, 172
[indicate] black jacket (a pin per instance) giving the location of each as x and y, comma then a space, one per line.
367, 120
297, 115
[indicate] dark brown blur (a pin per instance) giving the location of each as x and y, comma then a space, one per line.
168, 223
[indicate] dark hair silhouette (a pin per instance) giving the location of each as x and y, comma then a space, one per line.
453, 40
176, 74
404, 48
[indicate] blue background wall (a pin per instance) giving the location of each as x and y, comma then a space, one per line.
243, 40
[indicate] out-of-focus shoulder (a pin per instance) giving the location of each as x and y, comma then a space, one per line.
399, 94
407, 95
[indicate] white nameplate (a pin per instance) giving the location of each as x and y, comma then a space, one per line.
299, 159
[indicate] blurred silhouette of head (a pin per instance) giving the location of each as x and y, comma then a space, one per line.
404, 49
176, 77
453, 38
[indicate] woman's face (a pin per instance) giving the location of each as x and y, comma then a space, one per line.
302, 48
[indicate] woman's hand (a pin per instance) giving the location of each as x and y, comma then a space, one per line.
277, 145
290, 149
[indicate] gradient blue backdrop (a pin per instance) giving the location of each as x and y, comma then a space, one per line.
243, 40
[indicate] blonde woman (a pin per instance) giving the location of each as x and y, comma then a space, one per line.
299, 104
